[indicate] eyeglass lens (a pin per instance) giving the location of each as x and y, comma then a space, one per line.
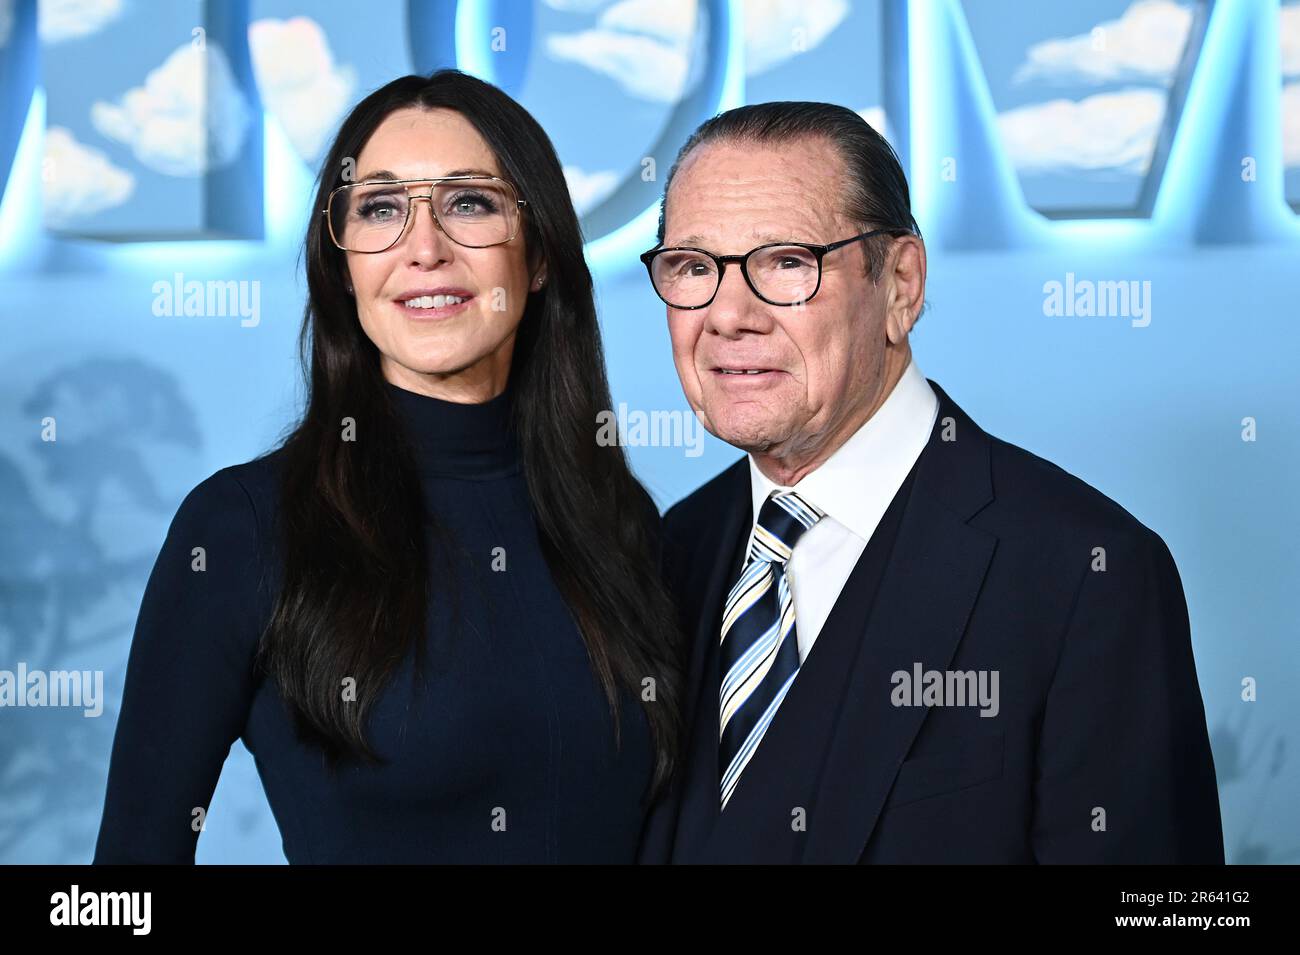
371, 216
782, 274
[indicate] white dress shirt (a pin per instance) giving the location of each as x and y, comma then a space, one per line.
853, 487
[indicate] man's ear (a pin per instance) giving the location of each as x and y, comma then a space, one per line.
905, 268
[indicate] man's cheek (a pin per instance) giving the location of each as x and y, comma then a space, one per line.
684, 362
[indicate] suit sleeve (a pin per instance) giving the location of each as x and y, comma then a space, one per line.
189, 679
661, 819
1124, 768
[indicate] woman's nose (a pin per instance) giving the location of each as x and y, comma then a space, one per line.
425, 237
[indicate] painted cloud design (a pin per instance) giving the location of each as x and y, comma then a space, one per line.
1113, 130
1144, 45
190, 116
588, 188
645, 45
777, 30
59, 20
299, 81
1105, 131
78, 180
651, 46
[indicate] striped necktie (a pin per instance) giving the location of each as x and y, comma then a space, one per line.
760, 652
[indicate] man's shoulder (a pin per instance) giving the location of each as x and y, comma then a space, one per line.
1037, 498
705, 504
1034, 496
694, 527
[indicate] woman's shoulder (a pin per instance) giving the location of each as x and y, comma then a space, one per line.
237, 487
235, 503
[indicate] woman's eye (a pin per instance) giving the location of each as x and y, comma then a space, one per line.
378, 211
471, 204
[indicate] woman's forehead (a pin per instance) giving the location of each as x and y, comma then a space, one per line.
419, 143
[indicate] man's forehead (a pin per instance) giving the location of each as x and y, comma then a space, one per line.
778, 189
706, 225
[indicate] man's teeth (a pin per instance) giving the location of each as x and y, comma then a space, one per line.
433, 301
742, 371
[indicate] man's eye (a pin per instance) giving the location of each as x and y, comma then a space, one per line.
693, 267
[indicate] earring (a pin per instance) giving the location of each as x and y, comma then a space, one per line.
349, 289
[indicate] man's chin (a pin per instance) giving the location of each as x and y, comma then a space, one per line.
753, 437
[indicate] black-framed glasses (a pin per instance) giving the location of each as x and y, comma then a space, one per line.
779, 273
473, 211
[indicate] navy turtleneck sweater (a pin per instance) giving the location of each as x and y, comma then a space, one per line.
505, 752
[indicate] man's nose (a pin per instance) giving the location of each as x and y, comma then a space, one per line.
735, 309
426, 242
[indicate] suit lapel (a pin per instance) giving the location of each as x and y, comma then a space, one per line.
925, 600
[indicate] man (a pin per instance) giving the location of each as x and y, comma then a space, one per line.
910, 641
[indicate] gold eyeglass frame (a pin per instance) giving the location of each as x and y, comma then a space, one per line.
411, 200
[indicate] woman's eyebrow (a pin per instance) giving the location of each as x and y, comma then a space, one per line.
387, 174
473, 172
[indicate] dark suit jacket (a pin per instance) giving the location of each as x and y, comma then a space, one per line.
1098, 752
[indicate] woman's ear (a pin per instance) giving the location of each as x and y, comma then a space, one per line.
536, 260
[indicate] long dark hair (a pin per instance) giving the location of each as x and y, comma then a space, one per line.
354, 597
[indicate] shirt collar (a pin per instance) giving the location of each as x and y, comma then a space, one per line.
856, 483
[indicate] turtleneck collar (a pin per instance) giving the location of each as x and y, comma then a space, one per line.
471, 441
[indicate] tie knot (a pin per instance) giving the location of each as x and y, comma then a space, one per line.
782, 520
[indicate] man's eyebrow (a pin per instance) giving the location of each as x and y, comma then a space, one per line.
388, 174
762, 238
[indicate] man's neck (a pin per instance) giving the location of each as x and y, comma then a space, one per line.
787, 468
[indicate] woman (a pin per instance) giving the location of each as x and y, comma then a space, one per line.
433, 614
